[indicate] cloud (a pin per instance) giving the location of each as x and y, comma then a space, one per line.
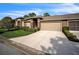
63, 8
66, 8
35, 10
13, 15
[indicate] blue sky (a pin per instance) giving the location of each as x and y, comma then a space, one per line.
15, 10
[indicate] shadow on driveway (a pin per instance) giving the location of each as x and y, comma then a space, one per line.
61, 46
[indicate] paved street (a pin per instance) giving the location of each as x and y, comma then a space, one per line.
6, 49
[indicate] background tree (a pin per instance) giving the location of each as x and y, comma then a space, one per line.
46, 14
7, 22
31, 14
20, 18
25, 16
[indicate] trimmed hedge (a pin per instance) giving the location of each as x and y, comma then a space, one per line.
30, 29
14, 28
4, 29
69, 35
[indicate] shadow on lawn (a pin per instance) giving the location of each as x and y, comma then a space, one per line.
60, 46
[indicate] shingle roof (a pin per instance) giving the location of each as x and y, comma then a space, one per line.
62, 17
19, 18
33, 17
57, 17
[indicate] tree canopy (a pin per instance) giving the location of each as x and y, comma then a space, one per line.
7, 22
31, 14
6, 19
25, 16
46, 14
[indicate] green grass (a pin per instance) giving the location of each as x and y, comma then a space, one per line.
16, 33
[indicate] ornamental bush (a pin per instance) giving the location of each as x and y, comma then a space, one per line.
69, 35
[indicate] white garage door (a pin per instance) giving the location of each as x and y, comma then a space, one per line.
54, 26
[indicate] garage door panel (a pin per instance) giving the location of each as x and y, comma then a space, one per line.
54, 26
74, 25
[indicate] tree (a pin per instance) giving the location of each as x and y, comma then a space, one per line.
46, 14
7, 22
31, 14
20, 18
25, 16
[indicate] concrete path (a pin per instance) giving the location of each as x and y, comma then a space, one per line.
52, 42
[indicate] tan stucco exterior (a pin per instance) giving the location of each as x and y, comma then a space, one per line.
48, 23
18, 22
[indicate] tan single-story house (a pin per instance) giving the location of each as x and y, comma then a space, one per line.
53, 23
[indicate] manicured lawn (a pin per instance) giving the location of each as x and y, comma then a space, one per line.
16, 33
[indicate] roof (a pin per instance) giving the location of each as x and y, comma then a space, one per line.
62, 17
56, 17
35, 17
19, 18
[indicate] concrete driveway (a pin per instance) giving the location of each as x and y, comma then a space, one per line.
51, 42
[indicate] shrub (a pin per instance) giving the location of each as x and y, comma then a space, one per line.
29, 29
34, 29
0, 27
65, 28
14, 28
69, 35
2, 30
17, 27
25, 28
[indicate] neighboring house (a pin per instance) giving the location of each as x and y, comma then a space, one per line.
51, 22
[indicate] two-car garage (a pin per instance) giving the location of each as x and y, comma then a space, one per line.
57, 25
51, 25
